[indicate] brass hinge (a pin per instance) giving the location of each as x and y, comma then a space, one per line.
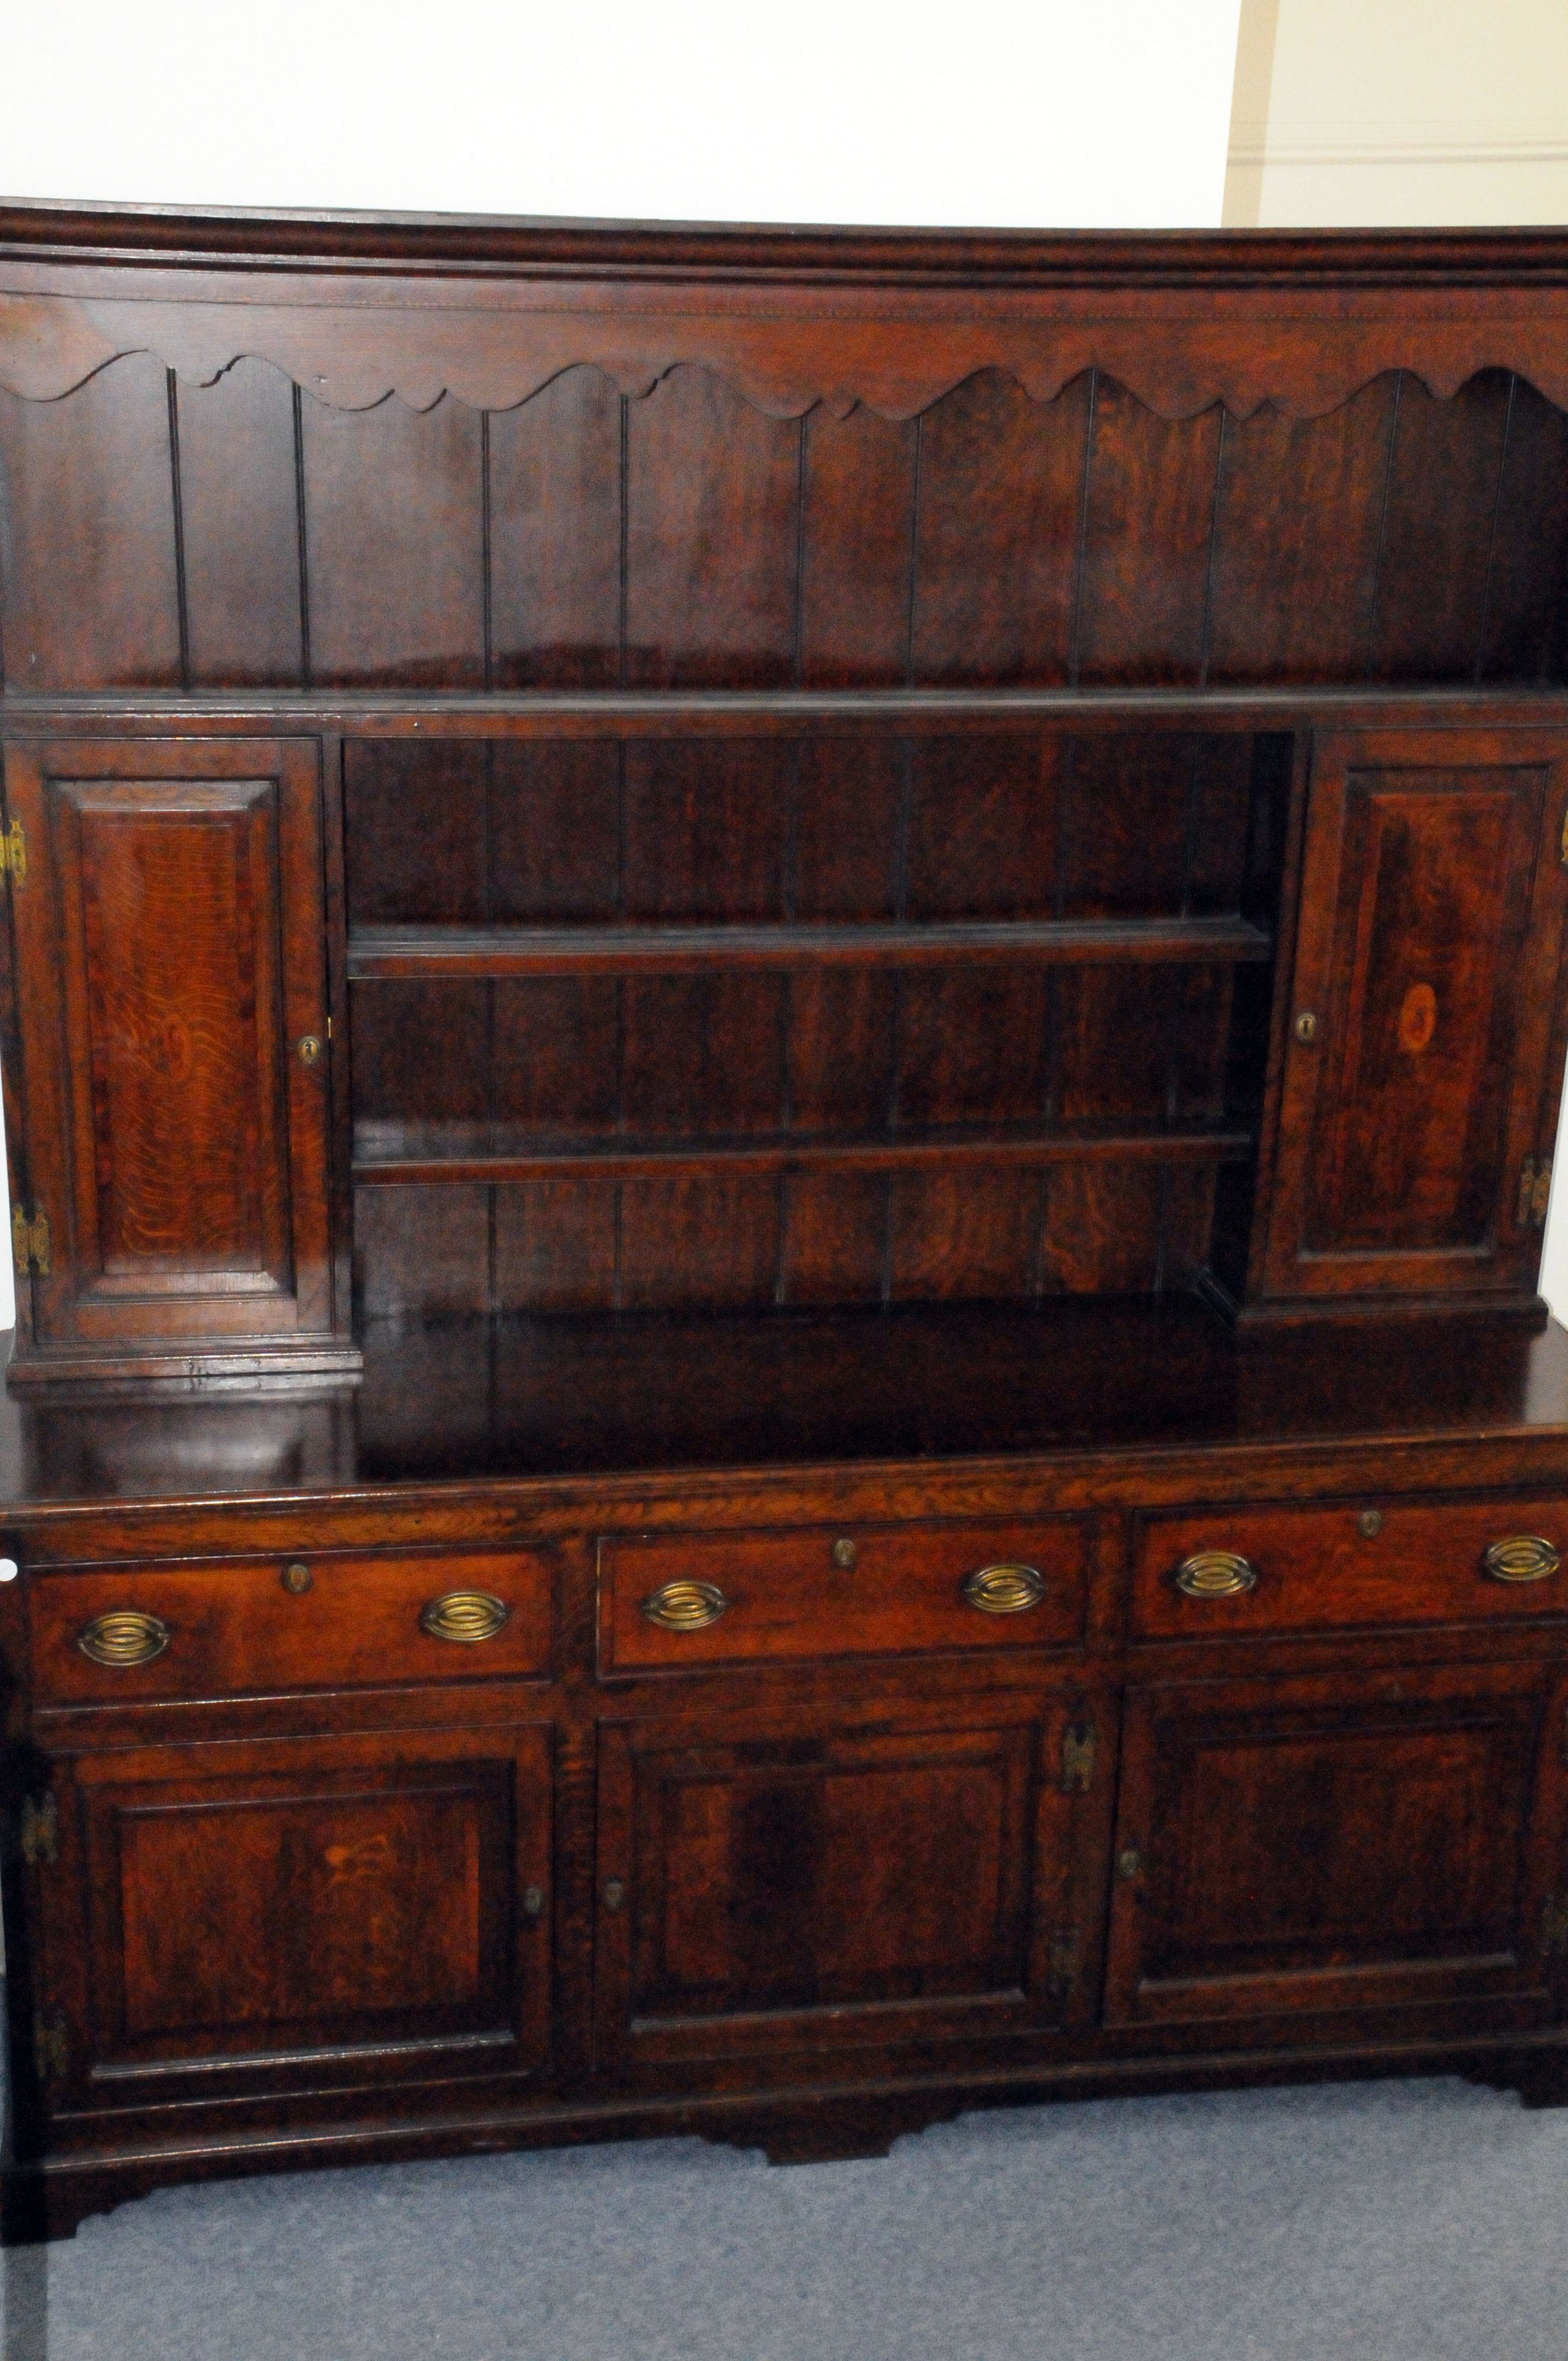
1066, 1959
1077, 1758
52, 2051
1554, 1926
29, 1243
40, 1828
1535, 1193
14, 855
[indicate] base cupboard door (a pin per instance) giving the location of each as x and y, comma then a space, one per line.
272, 1915
1360, 1843
175, 1051
1424, 1052
766, 1889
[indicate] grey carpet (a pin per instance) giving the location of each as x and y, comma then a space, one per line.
1400, 2222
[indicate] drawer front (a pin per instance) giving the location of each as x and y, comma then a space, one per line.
254, 1624
1368, 1563
707, 1599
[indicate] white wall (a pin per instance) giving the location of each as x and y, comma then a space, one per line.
1021, 112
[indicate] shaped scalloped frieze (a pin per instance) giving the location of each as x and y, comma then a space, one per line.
786, 358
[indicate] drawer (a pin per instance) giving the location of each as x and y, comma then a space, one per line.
842, 1591
209, 1628
1363, 1562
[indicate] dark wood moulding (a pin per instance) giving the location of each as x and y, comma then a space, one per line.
646, 713
389, 1155
389, 951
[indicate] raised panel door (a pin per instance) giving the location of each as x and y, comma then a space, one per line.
222, 1918
1316, 1847
805, 1883
1425, 1040
176, 1062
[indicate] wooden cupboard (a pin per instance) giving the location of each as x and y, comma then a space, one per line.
918, 1881
378, 1902
1421, 1080
1297, 1847
783, 1017
173, 1042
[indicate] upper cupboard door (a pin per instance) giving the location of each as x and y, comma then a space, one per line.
173, 1019
1424, 1048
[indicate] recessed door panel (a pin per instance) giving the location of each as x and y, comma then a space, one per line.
174, 974
1425, 1038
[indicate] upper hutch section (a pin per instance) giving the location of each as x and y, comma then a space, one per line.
243, 454
556, 772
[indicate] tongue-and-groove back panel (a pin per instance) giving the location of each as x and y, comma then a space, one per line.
159, 534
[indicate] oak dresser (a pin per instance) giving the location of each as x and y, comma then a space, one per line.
782, 1016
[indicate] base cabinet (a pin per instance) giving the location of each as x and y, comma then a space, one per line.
917, 1879
798, 1904
228, 1918
1291, 1847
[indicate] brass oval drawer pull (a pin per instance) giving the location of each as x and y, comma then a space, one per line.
1004, 1589
465, 1616
1523, 1557
1215, 1574
121, 1636
685, 1606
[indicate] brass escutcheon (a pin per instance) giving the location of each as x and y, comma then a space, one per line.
1523, 1557
309, 1048
846, 1556
465, 1616
123, 1636
296, 1579
1215, 1574
1369, 1524
1306, 1028
1004, 1589
683, 1606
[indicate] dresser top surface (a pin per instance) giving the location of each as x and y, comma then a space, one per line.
571, 1401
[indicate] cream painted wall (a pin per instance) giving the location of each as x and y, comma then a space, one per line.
1399, 112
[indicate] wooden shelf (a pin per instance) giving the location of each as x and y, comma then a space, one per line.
384, 1154
377, 953
401, 711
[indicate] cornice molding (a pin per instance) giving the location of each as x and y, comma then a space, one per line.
354, 308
